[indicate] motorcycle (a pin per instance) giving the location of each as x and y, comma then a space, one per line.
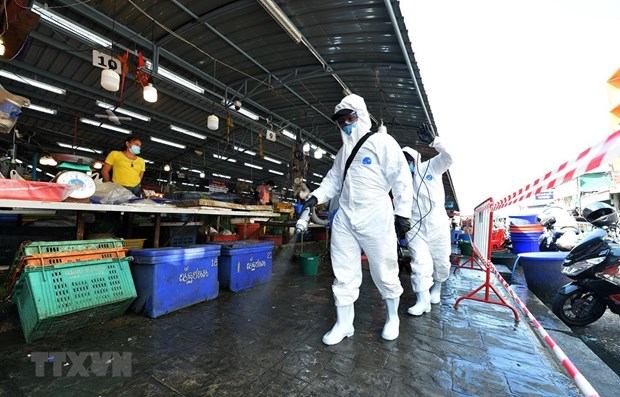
561, 232
594, 265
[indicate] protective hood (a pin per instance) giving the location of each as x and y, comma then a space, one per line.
363, 125
413, 153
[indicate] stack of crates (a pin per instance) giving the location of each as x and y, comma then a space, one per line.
60, 286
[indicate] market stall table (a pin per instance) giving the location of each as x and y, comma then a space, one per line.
156, 209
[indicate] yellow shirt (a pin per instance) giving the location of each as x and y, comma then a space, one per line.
125, 172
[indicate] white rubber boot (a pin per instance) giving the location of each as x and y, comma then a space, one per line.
422, 305
436, 293
343, 327
392, 323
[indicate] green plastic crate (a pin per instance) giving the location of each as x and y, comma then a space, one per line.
28, 247
52, 247
56, 299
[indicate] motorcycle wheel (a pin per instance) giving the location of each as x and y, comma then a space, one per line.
580, 307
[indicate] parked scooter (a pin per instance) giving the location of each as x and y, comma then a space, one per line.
594, 265
561, 231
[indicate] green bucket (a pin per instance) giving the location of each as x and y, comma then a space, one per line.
309, 263
465, 247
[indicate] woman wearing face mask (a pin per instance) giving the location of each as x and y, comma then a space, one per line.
127, 168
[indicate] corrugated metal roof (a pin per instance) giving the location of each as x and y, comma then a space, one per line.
234, 50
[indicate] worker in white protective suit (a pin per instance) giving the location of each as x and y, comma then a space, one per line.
429, 238
366, 219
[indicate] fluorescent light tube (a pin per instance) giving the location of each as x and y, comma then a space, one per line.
126, 112
272, 159
84, 149
71, 27
245, 180
286, 24
220, 176
165, 142
41, 109
243, 150
187, 132
258, 167
245, 112
217, 156
175, 78
319, 175
332, 156
289, 134
276, 172
104, 125
32, 82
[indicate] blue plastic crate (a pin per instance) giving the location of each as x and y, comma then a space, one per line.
245, 264
171, 278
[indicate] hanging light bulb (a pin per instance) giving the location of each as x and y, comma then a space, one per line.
318, 154
167, 167
2, 48
110, 80
149, 93
306, 148
202, 174
213, 122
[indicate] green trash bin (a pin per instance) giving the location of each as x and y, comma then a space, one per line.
309, 263
465, 247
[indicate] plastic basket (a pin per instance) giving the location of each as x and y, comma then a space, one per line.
49, 247
134, 243
72, 257
56, 299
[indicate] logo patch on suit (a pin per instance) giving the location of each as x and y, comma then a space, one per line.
366, 160
429, 177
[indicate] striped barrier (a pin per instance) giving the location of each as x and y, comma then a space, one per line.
582, 383
588, 160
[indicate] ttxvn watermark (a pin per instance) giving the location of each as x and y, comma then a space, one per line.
83, 364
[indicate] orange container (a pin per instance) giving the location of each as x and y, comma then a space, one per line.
248, 231
224, 237
276, 238
64, 258
526, 228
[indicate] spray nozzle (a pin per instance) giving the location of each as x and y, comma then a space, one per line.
302, 222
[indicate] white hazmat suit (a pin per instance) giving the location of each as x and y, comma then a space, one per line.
429, 238
365, 219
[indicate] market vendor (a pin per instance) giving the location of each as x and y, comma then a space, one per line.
126, 166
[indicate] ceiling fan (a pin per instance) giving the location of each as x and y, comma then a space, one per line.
112, 117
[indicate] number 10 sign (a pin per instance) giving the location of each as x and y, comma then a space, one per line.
105, 61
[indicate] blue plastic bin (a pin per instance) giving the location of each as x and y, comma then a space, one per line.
543, 273
171, 278
245, 264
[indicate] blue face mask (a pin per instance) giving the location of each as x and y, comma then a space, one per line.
411, 167
348, 129
135, 149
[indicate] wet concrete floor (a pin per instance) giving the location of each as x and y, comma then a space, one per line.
266, 341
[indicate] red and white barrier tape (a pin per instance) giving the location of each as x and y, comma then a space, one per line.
582, 383
588, 160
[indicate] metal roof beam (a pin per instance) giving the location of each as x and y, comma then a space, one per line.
121, 29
